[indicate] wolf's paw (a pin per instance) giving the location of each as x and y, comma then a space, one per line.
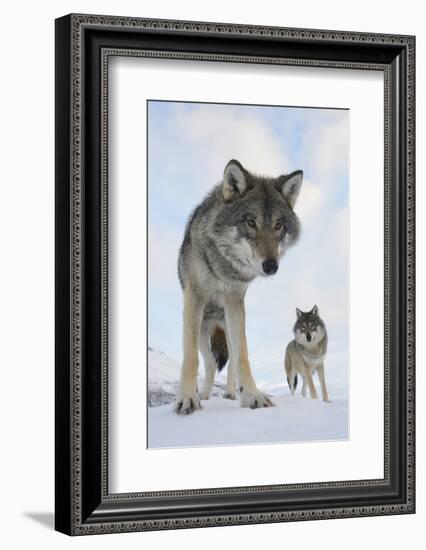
230, 395
327, 401
255, 399
186, 404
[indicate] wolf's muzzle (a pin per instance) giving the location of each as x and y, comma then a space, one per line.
270, 266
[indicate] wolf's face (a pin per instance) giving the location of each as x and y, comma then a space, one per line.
258, 222
309, 328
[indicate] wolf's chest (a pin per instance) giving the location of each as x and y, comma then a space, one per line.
313, 361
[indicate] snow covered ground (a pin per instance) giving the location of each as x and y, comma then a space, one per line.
224, 422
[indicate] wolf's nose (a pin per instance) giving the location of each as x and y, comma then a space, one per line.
308, 337
270, 266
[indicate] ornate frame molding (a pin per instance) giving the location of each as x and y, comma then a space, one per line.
72, 46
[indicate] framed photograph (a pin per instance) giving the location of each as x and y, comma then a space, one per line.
234, 274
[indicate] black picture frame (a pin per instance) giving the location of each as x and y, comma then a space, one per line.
83, 504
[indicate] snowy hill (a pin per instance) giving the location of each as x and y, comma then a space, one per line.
163, 379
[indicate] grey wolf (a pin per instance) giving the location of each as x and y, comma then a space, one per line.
239, 231
306, 353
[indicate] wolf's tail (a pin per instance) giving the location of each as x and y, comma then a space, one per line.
295, 382
219, 348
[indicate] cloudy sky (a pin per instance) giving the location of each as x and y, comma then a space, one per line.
189, 145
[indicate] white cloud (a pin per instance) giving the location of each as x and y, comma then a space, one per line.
215, 134
310, 200
326, 146
163, 252
341, 236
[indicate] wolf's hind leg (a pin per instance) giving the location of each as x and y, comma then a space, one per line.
209, 363
290, 372
231, 375
231, 381
292, 382
188, 398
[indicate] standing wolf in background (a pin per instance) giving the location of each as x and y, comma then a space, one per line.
306, 353
239, 231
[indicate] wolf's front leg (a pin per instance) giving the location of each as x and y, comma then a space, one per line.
209, 364
324, 391
188, 398
310, 382
304, 387
251, 396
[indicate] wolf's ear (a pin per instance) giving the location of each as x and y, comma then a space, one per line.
290, 186
299, 313
315, 310
234, 180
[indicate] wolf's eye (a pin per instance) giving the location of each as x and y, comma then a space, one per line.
278, 226
251, 222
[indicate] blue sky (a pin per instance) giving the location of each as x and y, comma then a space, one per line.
189, 145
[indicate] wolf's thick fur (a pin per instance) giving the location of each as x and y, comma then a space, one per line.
306, 353
239, 231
